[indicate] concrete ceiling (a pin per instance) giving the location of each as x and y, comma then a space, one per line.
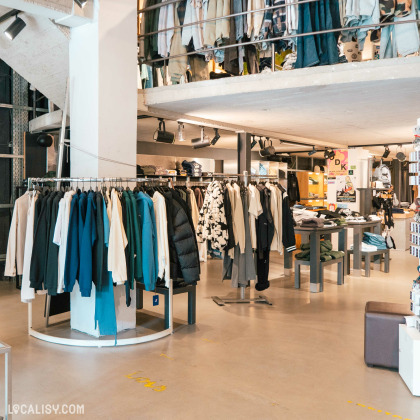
375, 102
40, 54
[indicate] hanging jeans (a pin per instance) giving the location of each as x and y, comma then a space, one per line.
263, 263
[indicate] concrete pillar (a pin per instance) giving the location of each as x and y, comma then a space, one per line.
103, 117
103, 91
244, 152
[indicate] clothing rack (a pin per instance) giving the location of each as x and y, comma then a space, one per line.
99, 342
242, 299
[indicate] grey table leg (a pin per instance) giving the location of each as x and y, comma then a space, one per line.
387, 256
191, 306
297, 275
340, 276
357, 252
367, 265
377, 258
139, 298
288, 262
342, 246
315, 262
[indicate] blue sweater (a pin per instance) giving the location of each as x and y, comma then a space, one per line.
149, 240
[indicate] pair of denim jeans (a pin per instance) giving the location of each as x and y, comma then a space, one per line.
320, 49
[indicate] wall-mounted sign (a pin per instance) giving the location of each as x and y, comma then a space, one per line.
340, 164
346, 192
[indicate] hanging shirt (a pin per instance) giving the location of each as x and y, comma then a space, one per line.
105, 318
26, 292
61, 234
166, 21
17, 233
117, 242
71, 268
149, 241
88, 239
195, 214
239, 218
255, 209
159, 207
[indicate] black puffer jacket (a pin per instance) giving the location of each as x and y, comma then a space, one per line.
184, 240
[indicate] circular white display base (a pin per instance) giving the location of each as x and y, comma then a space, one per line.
98, 342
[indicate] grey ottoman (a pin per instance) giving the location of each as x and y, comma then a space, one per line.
381, 332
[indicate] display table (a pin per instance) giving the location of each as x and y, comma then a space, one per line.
7, 351
314, 235
409, 358
358, 228
401, 231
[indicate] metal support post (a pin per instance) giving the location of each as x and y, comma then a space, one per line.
19, 126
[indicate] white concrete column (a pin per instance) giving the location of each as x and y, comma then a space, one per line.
103, 91
103, 119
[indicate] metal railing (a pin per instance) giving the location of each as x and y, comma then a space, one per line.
271, 41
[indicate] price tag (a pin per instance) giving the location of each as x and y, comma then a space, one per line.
155, 300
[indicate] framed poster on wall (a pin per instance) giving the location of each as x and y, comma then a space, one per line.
339, 165
346, 191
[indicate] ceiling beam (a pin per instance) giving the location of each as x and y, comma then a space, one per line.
187, 119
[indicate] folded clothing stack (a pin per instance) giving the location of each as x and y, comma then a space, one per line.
373, 218
161, 171
314, 222
366, 247
193, 168
397, 210
148, 169
325, 250
374, 239
299, 214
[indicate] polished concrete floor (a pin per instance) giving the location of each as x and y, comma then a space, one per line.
301, 358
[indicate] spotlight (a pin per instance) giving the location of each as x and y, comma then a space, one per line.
312, 152
268, 149
216, 137
15, 28
400, 155
202, 141
45, 140
181, 132
329, 154
386, 153
81, 3
253, 142
163, 136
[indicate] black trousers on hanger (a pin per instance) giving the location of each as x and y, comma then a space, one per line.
263, 265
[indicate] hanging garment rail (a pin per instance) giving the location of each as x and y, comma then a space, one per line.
242, 299
280, 38
198, 22
101, 342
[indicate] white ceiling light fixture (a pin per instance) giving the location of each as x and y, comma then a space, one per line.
203, 141
81, 3
15, 28
181, 132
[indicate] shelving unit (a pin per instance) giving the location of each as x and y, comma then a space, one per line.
313, 188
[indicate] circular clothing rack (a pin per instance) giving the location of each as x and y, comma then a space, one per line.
103, 343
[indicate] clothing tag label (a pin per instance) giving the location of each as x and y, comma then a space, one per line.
155, 300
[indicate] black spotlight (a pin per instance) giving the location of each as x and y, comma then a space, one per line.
386, 153
329, 154
81, 3
45, 140
163, 136
253, 142
312, 152
200, 142
268, 149
216, 137
15, 28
